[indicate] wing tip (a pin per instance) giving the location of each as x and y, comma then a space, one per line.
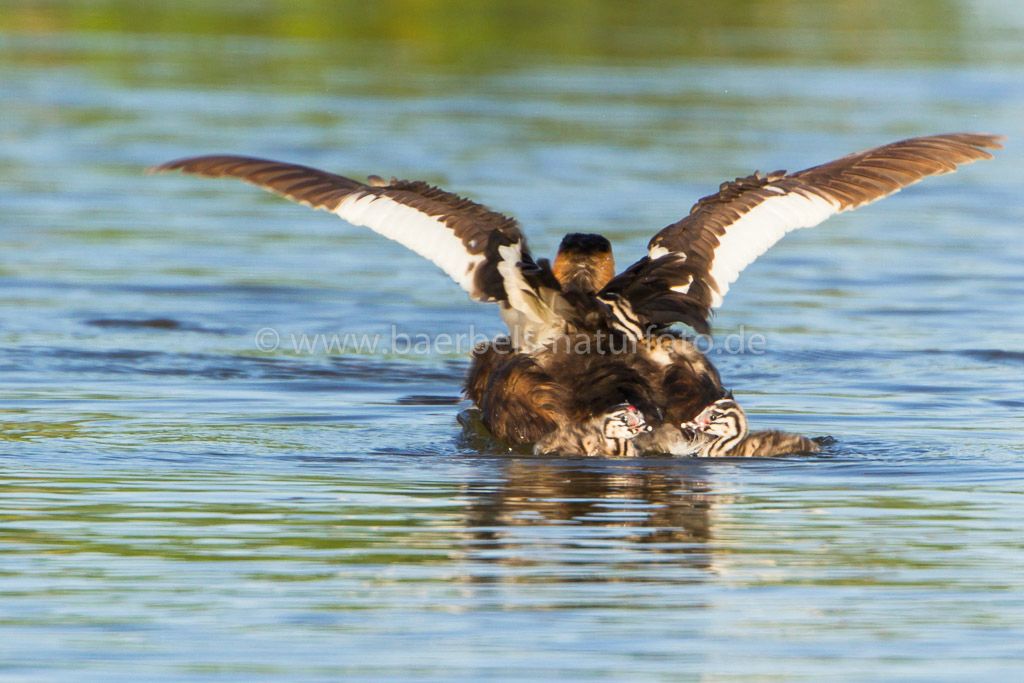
978, 144
188, 164
985, 140
165, 167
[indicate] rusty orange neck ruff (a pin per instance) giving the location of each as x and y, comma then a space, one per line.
584, 263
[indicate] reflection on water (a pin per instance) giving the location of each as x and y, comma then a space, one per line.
641, 508
180, 504
480, 565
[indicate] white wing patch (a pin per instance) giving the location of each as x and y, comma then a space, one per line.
426, 235
761, 227
531, 320
519, 293
683, 288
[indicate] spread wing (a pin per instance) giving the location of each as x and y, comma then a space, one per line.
691, 263
482, 250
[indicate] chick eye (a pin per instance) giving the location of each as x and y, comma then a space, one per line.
715, 416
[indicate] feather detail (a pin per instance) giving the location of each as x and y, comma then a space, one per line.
727, 231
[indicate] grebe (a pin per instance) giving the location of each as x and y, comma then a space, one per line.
721, 430
590, 364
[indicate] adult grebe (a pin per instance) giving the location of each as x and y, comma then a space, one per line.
590, 364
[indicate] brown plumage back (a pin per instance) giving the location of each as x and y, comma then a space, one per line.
519, 400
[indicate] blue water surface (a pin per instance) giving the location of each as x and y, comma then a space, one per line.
196, 486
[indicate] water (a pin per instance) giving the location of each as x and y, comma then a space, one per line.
180, 504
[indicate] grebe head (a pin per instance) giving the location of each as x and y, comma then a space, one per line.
584, 262
624, 422
723, 419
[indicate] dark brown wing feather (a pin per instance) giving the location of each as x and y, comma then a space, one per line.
480, 231
865, 177
647, 286
686, 253
310, 186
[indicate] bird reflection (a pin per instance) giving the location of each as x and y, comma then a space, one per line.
558, 512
